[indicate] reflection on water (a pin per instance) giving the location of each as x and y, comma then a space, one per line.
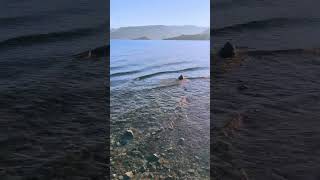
168, 118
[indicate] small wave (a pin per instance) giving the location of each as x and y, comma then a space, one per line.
144, 69
165, 64
124, 73
5, 21
200, 77
315, 51
169, 72
262, 24
49, 37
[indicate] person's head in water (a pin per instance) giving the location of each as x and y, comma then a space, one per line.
227, 51
181, 77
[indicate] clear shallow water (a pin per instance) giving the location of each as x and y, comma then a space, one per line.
146, 97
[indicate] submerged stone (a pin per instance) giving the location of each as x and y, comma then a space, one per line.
126, 137
154, 158
191, 171
181, 141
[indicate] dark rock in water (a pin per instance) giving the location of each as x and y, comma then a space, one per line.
181, 77
181, 141
126, 137
153, 158
227, 51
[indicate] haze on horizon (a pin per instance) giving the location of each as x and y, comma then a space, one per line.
126, 13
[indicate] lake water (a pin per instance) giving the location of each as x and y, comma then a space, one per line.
52, 105
266, 25
168, 117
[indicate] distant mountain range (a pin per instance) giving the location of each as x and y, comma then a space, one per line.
202, 36
142, 38
158, 32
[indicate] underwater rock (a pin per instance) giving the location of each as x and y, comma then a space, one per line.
154, 158
169, 178
181, 141
192, 171
126, 137
227, 51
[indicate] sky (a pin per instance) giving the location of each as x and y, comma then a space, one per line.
159, 12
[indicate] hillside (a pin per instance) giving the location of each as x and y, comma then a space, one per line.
154, 32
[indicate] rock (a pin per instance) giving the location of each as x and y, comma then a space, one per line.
227, 51
154, 158
181, 141
128, 175
129, 133
192, 171
169, 178
181, 77
126, 137
169, 150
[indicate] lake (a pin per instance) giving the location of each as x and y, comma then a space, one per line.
168, 117
52, 105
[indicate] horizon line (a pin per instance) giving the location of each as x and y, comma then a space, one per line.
156, 25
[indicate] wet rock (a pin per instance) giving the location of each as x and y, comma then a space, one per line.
181, 141
227, 51
126, 137
169, 150
169, 178
191, 171
128, 175
154, 158
136, 154
142, 169
181, 77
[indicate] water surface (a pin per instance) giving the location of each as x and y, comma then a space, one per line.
146, 96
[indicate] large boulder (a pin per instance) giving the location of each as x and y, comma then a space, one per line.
227, 51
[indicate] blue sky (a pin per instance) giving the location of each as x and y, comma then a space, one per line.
159, 12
